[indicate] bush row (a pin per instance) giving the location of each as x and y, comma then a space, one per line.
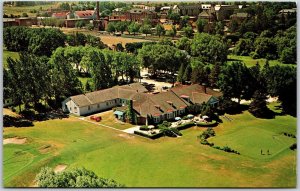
226, 149
289, 135
208, 124
185, 126
210, 133
154, 136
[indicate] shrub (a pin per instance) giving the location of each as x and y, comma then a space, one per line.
154, 136
144, 128
293, 146
207, 124
176, 131
78, 177
185, 126
185, 118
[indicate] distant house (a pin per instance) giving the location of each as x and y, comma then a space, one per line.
239, 17
139, 15
189, 10
88, 14
161, 106
223, 12
60, 15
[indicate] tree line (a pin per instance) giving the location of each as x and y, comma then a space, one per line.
43, 41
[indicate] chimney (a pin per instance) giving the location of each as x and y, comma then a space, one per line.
97, 10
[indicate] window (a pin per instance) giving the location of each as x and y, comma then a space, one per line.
89, 107
98, 105
106, 103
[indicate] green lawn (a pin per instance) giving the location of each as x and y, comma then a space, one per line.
26, 9
251, 62
6, 54
165, 162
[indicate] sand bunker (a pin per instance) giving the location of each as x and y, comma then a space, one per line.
14, 140
60, 168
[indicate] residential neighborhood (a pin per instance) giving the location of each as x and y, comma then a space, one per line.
150, 94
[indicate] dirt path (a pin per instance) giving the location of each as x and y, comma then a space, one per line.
14, 140
60, 168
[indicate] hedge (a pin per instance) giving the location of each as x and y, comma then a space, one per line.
209, 124
154, 136
185, 126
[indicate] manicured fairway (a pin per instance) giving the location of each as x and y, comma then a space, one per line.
166, 162
251, 62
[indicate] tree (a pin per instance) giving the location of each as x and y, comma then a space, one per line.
200, 71
234, 81
200, 24
184, 43
44, 41
187, 73
234, 25
219, 28
90, 26
188, 31
24, 15
77, 39
94, 41
214, 75
175, 17
130, 114
78, 178
281, 81
265, 48
100, 70
28, 77
209, 48
88, 87
161, 57
145, 29
64, 81
184, 21
133, 28
160, 30
80, 24
181, 73
244, 47
121, 26
111, 27
258, 106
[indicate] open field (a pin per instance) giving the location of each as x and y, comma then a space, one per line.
105, 38
251, 62
8, 10
6, 54
165, 162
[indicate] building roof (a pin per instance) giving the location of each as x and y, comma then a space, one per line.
60, 14
185, 7
240, 15
125, 92
87, 13
150, 104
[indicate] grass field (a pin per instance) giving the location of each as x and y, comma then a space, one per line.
251, 62
165, 162
8, 10
6, 54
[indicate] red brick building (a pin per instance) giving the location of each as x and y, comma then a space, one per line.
139, 15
